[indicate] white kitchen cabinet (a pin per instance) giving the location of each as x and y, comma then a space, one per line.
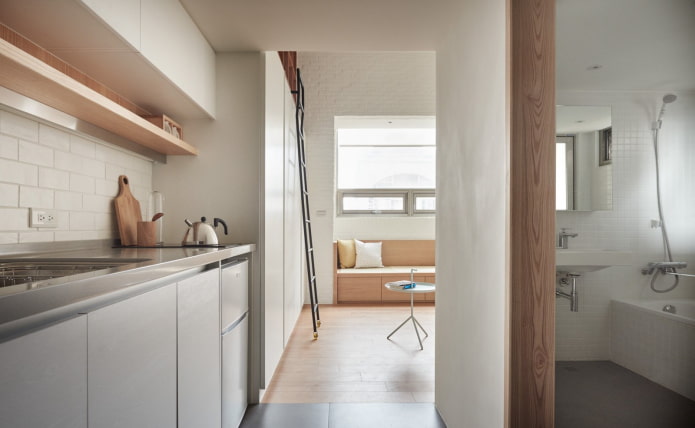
131, 367
43, 380
199, 370
172, 42
234, 374
123, 16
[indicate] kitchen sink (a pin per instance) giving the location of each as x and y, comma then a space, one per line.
14, 271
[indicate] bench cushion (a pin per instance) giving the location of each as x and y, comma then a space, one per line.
386, 270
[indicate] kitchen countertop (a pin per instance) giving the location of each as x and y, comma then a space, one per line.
26, 307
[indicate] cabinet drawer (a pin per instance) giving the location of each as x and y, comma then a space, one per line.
359, 289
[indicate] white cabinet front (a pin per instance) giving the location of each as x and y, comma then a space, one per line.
234, 374
43, 381
131, 367
199, 351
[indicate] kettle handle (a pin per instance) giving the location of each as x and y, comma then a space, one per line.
217, 221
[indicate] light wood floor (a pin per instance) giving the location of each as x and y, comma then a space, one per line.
352, 361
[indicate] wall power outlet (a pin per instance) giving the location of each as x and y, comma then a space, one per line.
39, 217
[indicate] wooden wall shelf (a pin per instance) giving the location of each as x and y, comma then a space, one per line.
29, 76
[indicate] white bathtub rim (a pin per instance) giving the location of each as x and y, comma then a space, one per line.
639, 304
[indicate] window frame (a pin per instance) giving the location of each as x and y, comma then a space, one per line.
408, 196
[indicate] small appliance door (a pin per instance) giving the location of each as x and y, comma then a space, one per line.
234, 373
235, 290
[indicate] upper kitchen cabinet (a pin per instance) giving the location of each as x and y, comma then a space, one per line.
122, 16
148, 51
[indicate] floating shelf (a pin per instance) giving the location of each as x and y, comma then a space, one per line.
29, 76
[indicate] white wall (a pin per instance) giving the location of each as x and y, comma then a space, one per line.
357, 84
584, 335
224, 179
471, 217
44, 166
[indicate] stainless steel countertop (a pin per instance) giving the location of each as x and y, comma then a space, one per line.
28, 307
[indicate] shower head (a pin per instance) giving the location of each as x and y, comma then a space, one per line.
668, 99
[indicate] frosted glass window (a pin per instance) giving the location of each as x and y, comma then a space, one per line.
561, 176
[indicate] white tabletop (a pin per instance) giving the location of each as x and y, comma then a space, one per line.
420, 287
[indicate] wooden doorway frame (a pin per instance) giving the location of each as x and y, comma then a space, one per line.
531, 357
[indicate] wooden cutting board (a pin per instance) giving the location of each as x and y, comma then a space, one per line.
127, 213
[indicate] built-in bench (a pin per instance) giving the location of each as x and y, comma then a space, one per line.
366, 285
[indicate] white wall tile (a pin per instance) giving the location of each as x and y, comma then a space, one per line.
82, 146
9, 238
19, 173
35, 154
18, 126
68, 200
27, 237
53, 137
81, 183
585, 335
14, 219
9, 147
54, 179
9, 195
65, 171
35, 197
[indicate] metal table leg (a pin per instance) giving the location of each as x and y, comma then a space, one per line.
416, 324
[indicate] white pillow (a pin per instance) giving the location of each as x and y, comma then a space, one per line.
368, 254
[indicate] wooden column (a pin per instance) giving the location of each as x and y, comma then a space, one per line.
532, 213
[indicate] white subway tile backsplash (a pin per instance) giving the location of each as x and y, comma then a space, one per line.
18, 126
19, 173
82, 146
27, 237
35, 197
54, 179
81, 183
76, 175
82, 221
9, 147
53, 137
14, 219
9, 238
9, 195
97, 203
35, 154
70, 201
106, 187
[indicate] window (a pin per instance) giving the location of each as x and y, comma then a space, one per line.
386, 165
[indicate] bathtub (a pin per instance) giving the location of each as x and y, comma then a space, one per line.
656, 344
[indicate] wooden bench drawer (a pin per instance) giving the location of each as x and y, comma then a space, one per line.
359, 289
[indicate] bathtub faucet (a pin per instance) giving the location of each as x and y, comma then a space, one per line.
572, 296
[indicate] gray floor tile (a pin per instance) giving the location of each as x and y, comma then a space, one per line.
384, 415
600, 394
286, 416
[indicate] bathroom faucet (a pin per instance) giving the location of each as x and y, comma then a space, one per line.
562, 238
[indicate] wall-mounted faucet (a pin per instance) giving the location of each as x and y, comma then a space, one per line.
563, 236
572, 296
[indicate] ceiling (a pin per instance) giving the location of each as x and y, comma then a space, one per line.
639, 44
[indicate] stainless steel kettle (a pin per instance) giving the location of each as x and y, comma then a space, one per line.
202, 233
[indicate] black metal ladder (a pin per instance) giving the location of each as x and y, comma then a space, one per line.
306, 216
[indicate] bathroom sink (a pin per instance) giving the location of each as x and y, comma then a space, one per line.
589, 260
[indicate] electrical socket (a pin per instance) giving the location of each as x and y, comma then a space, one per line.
39, 217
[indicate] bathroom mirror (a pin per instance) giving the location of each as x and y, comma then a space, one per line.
584, 170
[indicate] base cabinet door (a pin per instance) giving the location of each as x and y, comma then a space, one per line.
234, 374
43, 381
199, 387
132, 361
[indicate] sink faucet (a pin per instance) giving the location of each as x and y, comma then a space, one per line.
563, 238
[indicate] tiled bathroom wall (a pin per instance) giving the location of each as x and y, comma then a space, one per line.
585, 335
44, 166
